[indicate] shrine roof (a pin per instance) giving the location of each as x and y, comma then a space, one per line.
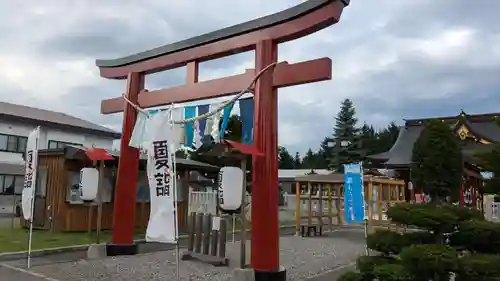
483, 127
221, 34
77, 152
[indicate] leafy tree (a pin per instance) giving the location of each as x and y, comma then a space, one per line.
345, 131
437, 161
368, 138
490, 161
297, 162
325, 153
386, 138
285, 160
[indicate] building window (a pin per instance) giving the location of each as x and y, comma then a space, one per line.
11, 143
10, 184
60, 144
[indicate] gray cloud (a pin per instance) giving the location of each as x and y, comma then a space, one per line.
395, 59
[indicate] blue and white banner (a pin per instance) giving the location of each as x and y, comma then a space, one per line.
354, 206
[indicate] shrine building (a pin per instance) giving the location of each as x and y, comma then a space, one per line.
476, 133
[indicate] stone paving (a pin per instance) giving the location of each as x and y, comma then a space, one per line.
302, 257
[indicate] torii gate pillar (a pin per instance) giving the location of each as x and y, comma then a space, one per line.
262, 35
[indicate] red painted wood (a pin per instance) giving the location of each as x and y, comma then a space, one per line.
285, 75
265, 236
128, 165
286, 31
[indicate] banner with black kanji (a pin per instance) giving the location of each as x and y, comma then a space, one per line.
31, 165
162, 219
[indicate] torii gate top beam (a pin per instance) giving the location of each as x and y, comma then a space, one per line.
287, 25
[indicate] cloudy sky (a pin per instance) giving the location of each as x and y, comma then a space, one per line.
394, 58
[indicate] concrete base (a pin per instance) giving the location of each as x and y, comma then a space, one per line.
278, 275
233, 253
96, 251
243, 274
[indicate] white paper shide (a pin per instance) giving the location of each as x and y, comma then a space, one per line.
162, 226
30, 174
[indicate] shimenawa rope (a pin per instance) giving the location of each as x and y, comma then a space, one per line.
220, 108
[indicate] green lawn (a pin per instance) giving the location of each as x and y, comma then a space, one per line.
16, 240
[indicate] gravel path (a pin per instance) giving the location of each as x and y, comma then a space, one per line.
302, 257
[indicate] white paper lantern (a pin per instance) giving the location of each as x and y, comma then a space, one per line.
89, 181
230, 188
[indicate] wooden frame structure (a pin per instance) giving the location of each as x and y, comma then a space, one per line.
55, 213
262, 35
380, 193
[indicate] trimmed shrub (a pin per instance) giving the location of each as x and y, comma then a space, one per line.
367, 264
479, 267
351, 276
430, 262
478, 236
392, 272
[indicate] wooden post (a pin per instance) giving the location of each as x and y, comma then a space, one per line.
265, 232
222, 238
199, 232
320, 207
213, 242
192, 229
126, 180
330, 213
370, 205
207, 228
380, 188
338, 190
297, 208
309, 204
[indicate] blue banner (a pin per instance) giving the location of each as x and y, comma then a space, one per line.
246, 113
189, 112
354, 207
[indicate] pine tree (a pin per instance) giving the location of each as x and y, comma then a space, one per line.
325, 153
310, 160
345, 133
285, 160
368, 138
297, 162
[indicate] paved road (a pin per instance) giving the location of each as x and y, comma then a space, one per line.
8, 274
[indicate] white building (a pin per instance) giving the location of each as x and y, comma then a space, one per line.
57, 129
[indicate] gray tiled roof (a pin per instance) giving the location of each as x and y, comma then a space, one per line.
400, 153
37, 115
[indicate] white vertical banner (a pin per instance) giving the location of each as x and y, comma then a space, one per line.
31, 164
29, 189
163, 215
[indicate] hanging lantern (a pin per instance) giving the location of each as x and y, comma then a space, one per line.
230, 188
89, 180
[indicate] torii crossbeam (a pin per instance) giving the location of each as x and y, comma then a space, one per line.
262, 35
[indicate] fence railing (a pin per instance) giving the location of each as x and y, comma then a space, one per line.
203, 202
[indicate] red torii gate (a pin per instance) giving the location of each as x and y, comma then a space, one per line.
262, 35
